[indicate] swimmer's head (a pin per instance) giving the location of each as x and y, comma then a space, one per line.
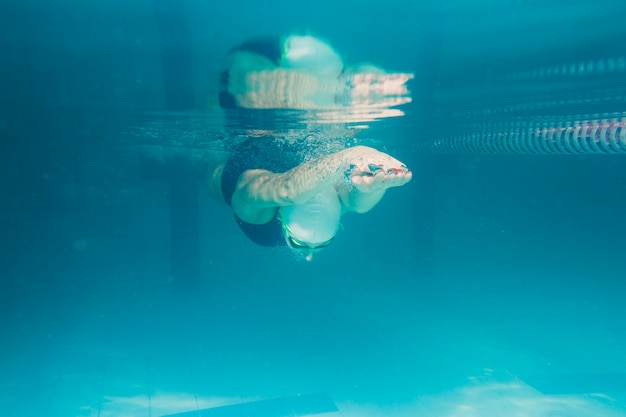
312, 226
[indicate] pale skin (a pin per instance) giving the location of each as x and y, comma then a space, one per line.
259, 193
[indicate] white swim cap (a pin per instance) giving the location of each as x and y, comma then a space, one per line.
311, 54
316, 221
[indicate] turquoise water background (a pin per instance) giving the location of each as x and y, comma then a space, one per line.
491, 285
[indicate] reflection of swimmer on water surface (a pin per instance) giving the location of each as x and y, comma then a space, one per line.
305, 73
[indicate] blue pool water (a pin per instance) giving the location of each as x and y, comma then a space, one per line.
491, 285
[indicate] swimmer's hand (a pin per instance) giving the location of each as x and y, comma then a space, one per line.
373, 170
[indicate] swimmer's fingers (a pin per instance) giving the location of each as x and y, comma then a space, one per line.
372, 168
381, 180
384, 164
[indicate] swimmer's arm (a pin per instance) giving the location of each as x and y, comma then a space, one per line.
259, 193
359, 202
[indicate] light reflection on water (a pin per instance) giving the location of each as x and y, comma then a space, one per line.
194, 133
536, 111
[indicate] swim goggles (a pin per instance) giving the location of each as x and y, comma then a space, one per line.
295, 243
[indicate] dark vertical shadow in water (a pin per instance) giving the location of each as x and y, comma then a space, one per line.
176, 62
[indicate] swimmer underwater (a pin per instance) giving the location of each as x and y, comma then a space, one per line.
278, 197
